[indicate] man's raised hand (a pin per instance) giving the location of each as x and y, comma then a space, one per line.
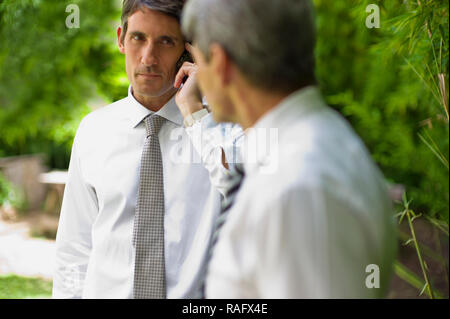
188, 97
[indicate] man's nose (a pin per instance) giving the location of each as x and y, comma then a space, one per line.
149, 55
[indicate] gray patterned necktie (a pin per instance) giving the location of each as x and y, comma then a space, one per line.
148, 232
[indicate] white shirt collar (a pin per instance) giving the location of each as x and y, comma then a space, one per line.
301, 100
137, 112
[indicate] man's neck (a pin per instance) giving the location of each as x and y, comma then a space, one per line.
253, 104
154, 103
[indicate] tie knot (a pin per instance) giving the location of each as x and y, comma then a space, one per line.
153, 124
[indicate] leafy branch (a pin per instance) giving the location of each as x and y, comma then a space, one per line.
411, 216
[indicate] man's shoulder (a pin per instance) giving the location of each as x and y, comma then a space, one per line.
319, 152
105, 114
103, 118
101, 122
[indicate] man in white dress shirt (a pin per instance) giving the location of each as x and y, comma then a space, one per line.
312, 219
95, 255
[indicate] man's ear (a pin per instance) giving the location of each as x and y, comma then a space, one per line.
119, 40
221, 63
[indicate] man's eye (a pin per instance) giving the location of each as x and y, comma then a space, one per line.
167, 41
136, 37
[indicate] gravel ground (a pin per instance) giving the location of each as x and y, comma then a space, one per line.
22, 255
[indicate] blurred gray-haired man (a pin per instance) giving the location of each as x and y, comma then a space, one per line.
320, 225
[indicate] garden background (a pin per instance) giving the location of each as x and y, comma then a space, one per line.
390, 82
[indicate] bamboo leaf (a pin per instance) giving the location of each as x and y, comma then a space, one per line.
411, 278
435, 151
408, 242
423, 289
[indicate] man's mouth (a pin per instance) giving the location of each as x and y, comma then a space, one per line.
149, 75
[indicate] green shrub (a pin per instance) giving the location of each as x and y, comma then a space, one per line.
386, 82
4, 190
10, 195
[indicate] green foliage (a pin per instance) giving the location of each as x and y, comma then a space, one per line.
389, 82
4, 190
17, 287
49, 72
386, 82
10, 195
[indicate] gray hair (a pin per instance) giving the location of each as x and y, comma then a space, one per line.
271, 41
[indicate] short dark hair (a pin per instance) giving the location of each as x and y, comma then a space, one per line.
172, 8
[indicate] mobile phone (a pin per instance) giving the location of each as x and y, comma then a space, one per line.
185, 57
